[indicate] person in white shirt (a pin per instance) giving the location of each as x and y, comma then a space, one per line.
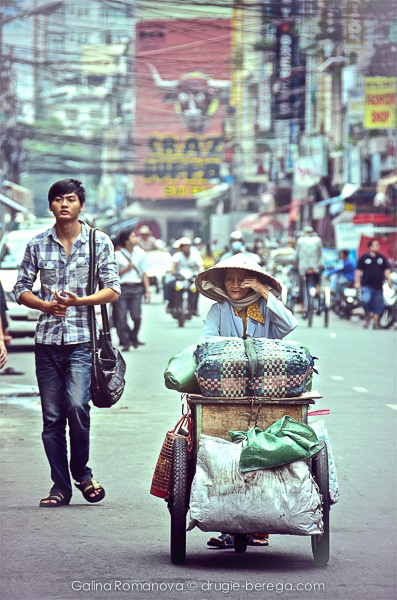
184, 258
131, 261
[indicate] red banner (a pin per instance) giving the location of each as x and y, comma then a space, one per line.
183, 80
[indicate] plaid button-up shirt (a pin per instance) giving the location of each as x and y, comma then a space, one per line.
46, 256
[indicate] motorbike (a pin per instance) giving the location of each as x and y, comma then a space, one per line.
350, 299
389, 315
184, 296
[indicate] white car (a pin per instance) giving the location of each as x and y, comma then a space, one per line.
22, 320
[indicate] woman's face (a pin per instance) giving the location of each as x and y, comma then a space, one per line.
233, 280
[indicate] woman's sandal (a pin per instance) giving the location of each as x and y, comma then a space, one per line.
257, 541
88, 487
224, 540
59, 498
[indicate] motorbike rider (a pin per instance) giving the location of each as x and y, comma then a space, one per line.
342, 275
184, 258
309, 258
237, 246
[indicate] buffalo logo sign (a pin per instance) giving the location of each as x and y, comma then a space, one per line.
196, 97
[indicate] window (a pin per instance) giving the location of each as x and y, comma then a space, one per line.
96, 113
71, 114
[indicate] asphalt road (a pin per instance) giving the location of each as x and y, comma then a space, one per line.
119, 548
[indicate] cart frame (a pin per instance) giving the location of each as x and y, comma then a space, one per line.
215, 417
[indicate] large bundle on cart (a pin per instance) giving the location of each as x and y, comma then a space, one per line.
236, 367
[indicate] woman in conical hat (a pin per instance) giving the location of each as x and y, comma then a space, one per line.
245, 301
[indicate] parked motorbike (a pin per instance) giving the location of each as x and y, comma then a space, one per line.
389, 315
349, 300
184, 296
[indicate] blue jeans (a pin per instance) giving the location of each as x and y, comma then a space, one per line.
336, 282
372, 300
64, 378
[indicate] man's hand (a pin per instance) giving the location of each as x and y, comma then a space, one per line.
147, 296
357, 285
71, 300
55, 309
3, 354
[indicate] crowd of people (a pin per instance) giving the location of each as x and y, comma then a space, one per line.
243, 291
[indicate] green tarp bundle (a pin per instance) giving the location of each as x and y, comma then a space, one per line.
179, 374
283, 442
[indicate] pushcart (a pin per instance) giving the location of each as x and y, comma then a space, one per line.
215, 417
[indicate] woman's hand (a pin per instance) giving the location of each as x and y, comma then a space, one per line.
256, 285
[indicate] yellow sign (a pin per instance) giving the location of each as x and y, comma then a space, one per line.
380, 102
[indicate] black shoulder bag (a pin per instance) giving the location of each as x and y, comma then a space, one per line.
108, 366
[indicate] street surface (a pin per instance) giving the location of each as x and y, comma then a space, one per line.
119, 548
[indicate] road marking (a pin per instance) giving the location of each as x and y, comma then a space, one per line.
337, 377
393, 406
333, 335
360, 389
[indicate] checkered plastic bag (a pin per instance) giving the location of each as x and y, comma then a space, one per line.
235, 368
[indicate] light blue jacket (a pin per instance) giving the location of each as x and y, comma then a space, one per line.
221, 320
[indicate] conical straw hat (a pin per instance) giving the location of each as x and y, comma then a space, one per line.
214, 276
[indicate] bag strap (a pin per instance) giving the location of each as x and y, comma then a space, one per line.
129, 259
91, 290
252, 363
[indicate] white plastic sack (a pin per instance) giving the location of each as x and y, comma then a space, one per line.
278, 500
321, 431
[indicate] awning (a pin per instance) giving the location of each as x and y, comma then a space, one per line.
374, 219
258, 223
205, 199
348, 190
14, 205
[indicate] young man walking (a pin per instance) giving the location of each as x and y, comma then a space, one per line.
61, 257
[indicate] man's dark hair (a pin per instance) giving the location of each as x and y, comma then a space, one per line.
66, 186
345, 252
371, 242
123, 236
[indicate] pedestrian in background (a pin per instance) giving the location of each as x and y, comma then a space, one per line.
372, 269
61, 256
132, 266
3, 309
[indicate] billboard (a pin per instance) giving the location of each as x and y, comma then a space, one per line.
380, 102
290, 69
183, 80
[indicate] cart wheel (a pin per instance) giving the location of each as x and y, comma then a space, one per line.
310, 311
178, 500
320, 543
240, 542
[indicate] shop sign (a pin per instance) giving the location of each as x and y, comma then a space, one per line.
380, 102
354, 25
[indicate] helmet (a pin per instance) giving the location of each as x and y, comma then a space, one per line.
197, 240
184, 241
236, 235
144, 229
